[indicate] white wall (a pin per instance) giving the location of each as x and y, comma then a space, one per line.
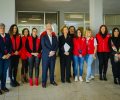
7, 12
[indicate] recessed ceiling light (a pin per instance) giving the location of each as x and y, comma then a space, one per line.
55, 0
23, 21
34, 18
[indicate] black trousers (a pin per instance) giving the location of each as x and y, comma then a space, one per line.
115, 67
24, 69
103, 58
34, 62
65, 65
13, 67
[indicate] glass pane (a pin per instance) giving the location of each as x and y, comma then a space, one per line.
75, 19
30, 18
52, 18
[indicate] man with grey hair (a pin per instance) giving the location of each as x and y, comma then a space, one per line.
5, 53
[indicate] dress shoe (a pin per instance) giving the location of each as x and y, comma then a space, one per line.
53, 83
101, 78
31, 82
17, 84
36, 81
1, 92
12, 84
104, 77
68, 81
5, 89
43, 85
115, 81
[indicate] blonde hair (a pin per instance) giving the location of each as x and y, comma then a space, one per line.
62, 28
86, 32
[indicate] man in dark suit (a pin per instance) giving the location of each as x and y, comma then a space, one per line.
5, 53
49, 45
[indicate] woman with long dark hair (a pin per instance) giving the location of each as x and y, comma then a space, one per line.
24, 69
103, 51
79, 52
16, 47
114, 44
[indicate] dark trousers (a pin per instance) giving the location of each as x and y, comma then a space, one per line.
103, 58
34, 62
48, 63
24, 69
115, 68
4, 64
65, 65
13, 67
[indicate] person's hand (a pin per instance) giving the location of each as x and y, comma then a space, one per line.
66, 53
16, 53
52, 53
36, 54
94, 56
116, 55
8, 56
80, 55
4, 57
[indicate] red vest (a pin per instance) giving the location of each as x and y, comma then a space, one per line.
18, 38
30, 41
102, 45
23, 50
79, 46
90, 46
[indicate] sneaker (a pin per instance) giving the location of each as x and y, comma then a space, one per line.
76, 78
87, 81
81, 79
91, 78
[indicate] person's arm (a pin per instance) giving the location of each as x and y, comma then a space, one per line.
110, 46
56, 44
27, 46
44, 47
20, 44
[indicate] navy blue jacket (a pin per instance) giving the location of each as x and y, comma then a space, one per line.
5, 46
47, 47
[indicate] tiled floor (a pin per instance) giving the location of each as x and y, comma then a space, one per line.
96, 90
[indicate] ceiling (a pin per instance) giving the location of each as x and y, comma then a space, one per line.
109, 6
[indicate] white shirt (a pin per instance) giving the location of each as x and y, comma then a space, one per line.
2, 35
50, 38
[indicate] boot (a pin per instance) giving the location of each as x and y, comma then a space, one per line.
101, 78
115, 81
119, 80
104, 77
26, 78
31, 82
36, 81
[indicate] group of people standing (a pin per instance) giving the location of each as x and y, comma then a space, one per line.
74, 46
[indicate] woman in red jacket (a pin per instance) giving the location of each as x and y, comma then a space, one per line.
24, 69
16, 46
103, 51
79, 51
91, 52
34, 54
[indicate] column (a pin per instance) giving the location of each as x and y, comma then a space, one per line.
96, 20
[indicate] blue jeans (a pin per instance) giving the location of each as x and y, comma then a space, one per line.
78, 64
4, 64
89, 61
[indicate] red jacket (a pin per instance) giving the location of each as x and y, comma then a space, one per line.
79, 46
17, 40
90, 46
102, 45
30, 42
23, 50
